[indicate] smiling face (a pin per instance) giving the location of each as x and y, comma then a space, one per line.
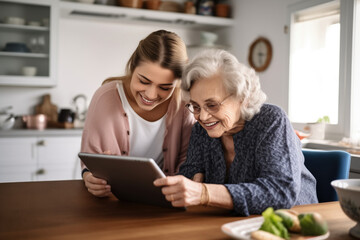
212, 91
151, 85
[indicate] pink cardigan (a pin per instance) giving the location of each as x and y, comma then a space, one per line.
107, 128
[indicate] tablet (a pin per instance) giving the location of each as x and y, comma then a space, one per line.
130, 178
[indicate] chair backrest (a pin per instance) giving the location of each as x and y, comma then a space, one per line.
327, 166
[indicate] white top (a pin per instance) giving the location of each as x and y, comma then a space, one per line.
146, 138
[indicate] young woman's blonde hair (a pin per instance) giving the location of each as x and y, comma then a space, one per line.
239, 80
164, 48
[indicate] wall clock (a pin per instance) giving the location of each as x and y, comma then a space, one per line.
260, 54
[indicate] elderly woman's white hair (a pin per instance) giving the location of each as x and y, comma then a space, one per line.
239, 80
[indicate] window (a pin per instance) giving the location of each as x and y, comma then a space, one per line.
314, 71
320, 57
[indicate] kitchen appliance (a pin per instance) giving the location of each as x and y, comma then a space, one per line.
66, 115
7, 120
16, 47
80, 102
37, 121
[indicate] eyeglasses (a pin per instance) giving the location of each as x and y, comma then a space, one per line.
210, 107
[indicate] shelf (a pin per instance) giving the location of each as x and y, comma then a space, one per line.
204, 46
41, 133
24, 54
23, 27
121, 14
36, 81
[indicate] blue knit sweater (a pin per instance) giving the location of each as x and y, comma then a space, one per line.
268, 168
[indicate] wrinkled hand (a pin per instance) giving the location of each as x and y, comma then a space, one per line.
96, 186
180, 191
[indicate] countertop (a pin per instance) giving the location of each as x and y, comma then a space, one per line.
41, 133
330, 145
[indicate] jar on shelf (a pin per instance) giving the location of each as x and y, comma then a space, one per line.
205, 7
189, 7
222, 10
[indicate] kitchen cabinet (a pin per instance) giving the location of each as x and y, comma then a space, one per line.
39, 158
17, 159
33, 23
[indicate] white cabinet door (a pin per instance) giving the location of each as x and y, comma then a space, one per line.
17, 159
39, 158
57, 158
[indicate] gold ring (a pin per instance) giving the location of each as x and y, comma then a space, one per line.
172, 197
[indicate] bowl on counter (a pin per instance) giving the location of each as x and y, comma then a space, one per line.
15, 20
7, 121
29, 71
348, 191
34, 23
105, 2
37, 121
16, 47
86, 1
208, 38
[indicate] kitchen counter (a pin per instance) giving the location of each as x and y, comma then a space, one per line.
41, 133
330, 145
333, 145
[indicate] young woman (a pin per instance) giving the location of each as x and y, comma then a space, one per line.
141, 113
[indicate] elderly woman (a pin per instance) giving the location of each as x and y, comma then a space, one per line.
243, 154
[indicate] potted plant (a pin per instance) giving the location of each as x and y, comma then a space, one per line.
317, 129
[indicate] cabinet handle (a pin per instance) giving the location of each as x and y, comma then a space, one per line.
41, 143
40, 171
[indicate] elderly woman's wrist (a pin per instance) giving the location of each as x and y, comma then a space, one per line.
205, 197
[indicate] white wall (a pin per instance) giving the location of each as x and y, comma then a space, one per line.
265, 18
91, 51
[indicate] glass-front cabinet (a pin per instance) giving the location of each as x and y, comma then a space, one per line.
28, 30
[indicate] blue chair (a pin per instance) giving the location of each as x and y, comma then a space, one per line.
327, 166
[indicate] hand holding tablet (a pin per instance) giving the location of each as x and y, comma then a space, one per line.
130, 178
96, 186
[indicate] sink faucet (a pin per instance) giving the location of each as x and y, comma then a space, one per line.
80, 111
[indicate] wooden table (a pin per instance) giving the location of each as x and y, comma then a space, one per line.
65, 210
